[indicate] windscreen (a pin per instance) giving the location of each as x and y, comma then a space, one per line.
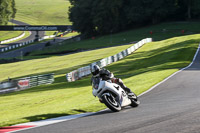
95, 82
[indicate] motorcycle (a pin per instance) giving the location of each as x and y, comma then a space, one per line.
112, 95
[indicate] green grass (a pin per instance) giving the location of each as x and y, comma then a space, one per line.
43, 12
140, 71
160, 32
69, 34
27, 34
5, 35
56, 64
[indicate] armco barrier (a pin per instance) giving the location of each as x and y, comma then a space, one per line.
4, 49
27, 82
84, 71
8, 86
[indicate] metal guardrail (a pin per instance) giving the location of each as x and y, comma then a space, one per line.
25, 83
5, 49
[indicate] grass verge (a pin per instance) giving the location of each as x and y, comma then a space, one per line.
43, 12
5, 35
140, 71
27, 34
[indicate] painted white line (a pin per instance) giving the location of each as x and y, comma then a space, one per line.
50, 121
172, 74
56, 120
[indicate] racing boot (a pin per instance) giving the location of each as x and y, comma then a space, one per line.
129, 92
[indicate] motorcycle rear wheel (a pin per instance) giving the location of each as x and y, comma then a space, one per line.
110, 101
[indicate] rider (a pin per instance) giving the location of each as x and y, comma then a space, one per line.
107, 75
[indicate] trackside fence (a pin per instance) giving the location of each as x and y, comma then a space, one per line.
85, 71
36, 80
25, 83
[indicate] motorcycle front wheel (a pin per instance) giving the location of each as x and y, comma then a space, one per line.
110, 101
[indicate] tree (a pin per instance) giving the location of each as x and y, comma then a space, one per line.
188, 9
107, 16
195, 11
149, 11
13, 8
7, 11
80, 15
96, 17
100, 17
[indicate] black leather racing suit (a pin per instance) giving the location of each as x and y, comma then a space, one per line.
107, 75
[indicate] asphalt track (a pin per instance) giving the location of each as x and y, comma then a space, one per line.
171, 107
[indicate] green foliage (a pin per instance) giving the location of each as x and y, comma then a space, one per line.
188, 9
99, 17
7, 11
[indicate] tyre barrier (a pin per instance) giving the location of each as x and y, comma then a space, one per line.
85, 71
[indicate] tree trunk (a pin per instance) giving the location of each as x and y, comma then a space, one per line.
189, 10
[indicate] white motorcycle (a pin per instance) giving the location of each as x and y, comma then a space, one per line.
112, 95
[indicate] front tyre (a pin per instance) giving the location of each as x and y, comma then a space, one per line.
110, 101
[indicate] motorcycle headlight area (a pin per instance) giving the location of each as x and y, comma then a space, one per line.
96, 86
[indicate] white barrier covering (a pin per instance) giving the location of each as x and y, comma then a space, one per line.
4, 49
109, 60
103, 62
47, 37
84, 71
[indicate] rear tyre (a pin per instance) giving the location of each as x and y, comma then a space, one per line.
110, 101
134, 100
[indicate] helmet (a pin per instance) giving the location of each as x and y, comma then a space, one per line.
95, 69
